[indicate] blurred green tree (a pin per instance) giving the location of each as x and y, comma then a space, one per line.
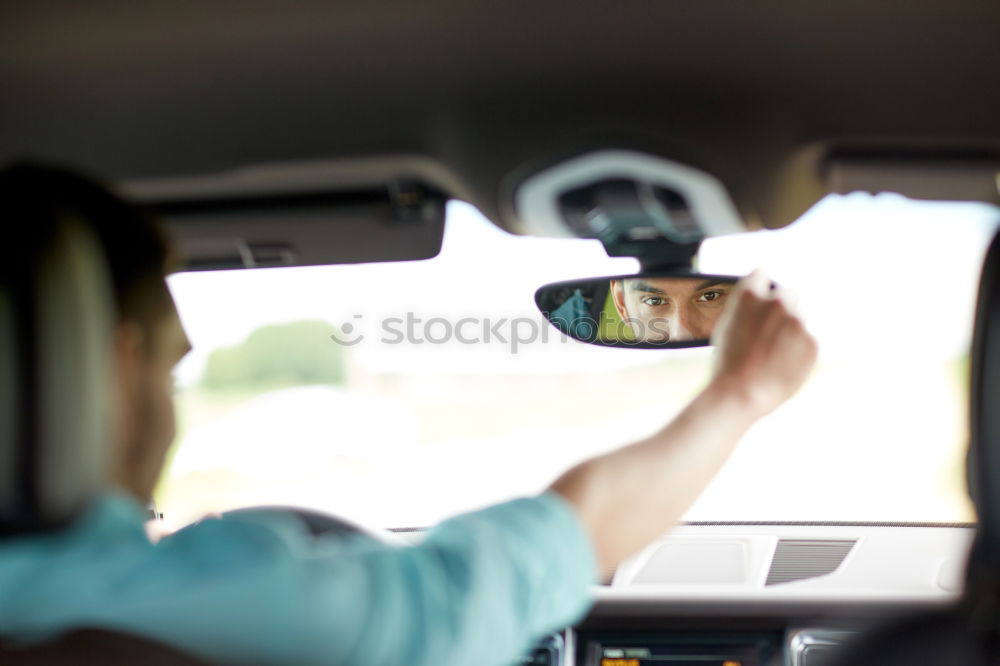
289, 354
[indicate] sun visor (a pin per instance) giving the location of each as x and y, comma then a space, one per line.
258, 222
951, 177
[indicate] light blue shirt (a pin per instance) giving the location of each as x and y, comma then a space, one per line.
479, 589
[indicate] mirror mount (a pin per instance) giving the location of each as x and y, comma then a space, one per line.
637, 219
666, 258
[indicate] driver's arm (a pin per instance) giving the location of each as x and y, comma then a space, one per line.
480, 589
627, 498
260, 589
482, 586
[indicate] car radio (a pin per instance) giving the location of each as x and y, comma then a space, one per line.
677, 650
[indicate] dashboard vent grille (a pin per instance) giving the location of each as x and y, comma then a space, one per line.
799, 559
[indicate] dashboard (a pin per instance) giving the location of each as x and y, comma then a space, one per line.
761, 595
638, 633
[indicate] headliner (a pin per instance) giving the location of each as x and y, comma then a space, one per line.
755, 92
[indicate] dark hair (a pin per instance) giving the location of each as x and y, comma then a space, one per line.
36, 198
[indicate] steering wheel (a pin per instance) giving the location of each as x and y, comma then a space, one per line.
320, 523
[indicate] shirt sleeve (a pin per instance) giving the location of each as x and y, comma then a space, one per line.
479, 589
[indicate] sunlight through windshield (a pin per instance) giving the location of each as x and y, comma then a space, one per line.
359, 391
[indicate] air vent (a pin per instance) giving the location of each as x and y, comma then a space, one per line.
800, 559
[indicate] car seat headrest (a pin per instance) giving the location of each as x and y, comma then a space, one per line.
56, 314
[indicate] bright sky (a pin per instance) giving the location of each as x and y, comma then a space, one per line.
886, 284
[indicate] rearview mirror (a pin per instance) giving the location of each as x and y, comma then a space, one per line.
652, 310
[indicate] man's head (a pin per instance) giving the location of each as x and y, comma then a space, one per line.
149, 339
670, 309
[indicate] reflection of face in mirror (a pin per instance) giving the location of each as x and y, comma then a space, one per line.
671, 309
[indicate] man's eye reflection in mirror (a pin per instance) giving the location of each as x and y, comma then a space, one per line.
666, 309
638, 311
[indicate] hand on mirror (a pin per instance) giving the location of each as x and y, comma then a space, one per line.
763, 352
628, 497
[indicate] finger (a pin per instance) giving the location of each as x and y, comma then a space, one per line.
774, 315
749, 292
793, 336
744, 309
757, 283
789, 297
748, 283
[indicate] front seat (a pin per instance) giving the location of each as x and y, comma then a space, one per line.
968, 633
55, 328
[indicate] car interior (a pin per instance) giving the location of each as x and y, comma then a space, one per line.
324, 168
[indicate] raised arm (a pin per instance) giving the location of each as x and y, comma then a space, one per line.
628, 497
481, 587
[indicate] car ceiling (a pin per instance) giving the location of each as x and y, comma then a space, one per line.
763, 94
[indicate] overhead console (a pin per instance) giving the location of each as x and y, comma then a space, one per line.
636, 204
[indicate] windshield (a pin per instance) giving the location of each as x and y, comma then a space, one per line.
399, 394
